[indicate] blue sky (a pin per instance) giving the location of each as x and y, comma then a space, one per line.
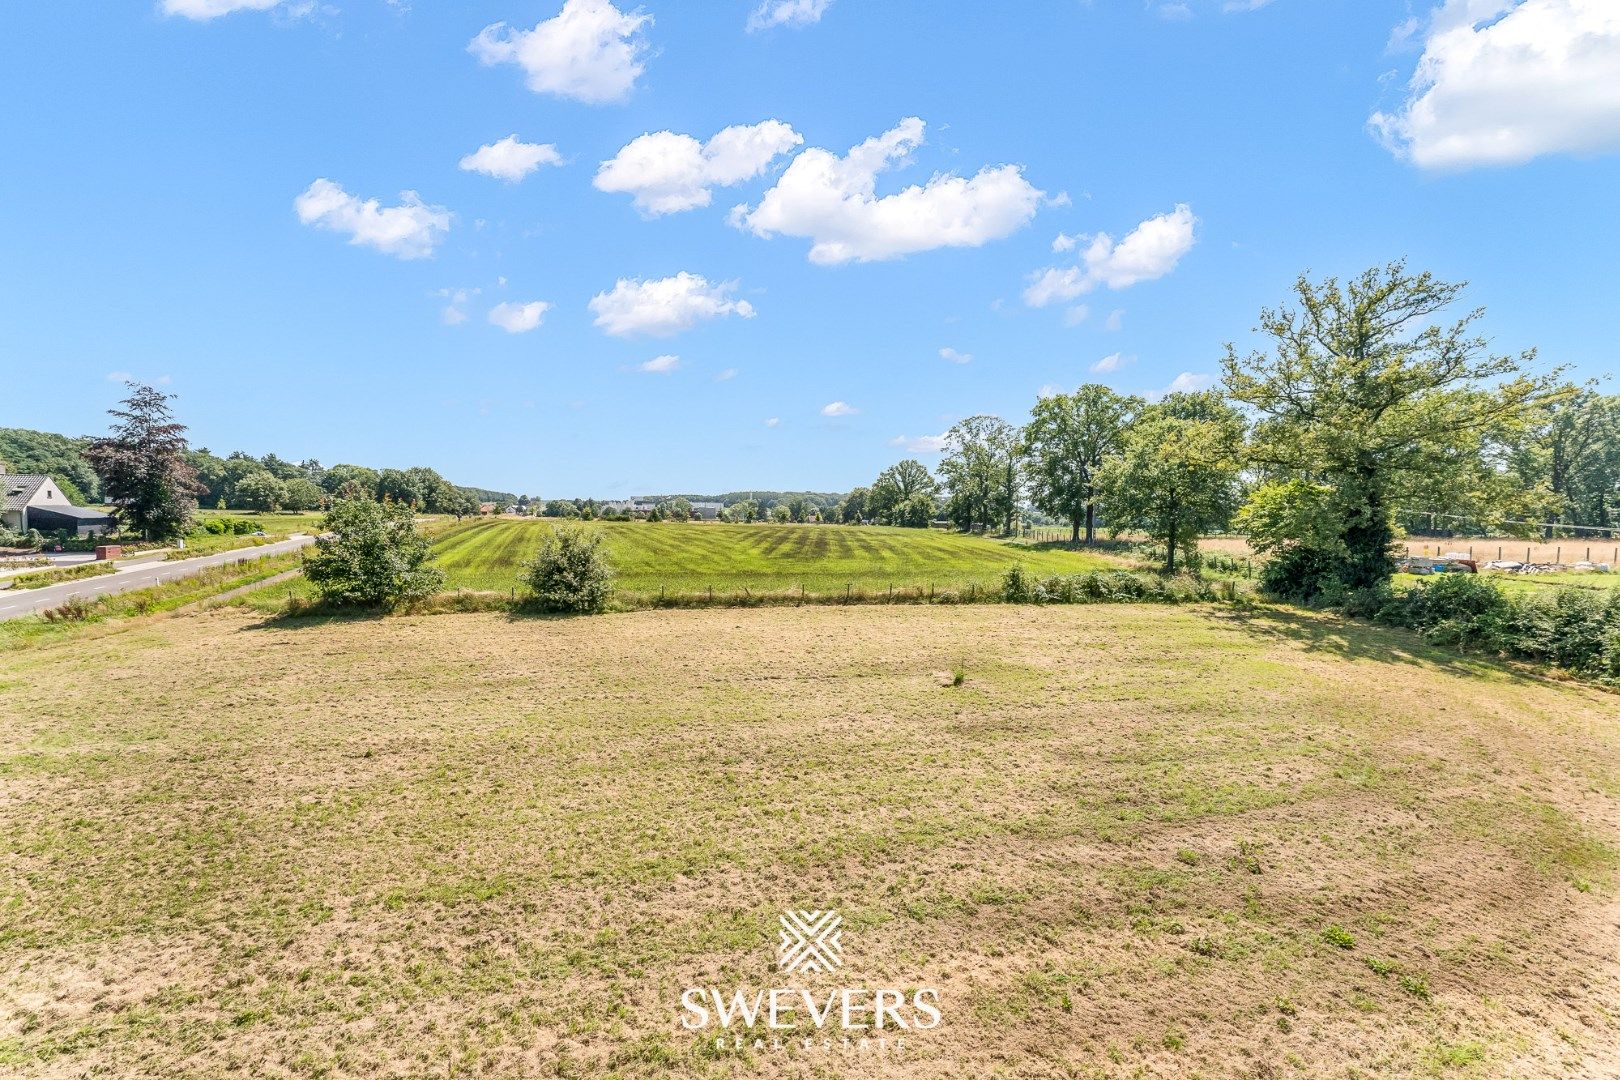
162, 215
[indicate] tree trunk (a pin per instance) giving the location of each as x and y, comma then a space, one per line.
1091, 523
1170, 550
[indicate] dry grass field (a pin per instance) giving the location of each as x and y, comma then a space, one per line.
1133, 841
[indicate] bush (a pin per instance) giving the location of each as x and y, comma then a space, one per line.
570, 572
1299, 573
374, 558
1574, 629
1103, 587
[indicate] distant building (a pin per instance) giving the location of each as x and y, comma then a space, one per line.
707, 509
35, 502
486, 508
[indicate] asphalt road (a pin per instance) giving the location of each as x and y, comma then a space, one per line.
139, 576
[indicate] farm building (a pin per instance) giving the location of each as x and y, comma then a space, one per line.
35, 502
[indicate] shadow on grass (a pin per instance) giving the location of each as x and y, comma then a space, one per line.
1318, 632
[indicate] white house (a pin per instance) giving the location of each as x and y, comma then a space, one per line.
35, 502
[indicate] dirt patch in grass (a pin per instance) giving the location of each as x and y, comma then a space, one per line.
1171, 840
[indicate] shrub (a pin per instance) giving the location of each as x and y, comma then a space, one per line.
73, 609
374, 558
570, 572
1016, 587
1574, 629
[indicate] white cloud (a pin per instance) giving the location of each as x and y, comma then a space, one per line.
518, 318
1049, 390
1504, 81
453, 313
1185, 383
832, 201
1076, 314
838, 408
955, 357
667, 172
786, 13
1112, 362
409, 230
510, 160
921, 444
660, 365
119, 376
591, 51
664, 306
212, 9
775, 421
728, 374
1115, 320
1151, 250
1064, 242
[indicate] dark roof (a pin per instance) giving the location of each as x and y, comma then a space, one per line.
19, 488
63, 510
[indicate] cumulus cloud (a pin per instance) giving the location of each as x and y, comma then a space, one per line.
774, 421
665, 306
590, 51
786, 13
1504, 81
921, 444
509, 159
1151, 250
518, 318
1115, 320
1185, 383
410, 230
955, 357
667, 172
660, 365
726, 375
1112, 362
832, 201
203, 10
838, 408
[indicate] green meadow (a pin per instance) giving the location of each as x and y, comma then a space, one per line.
819, 559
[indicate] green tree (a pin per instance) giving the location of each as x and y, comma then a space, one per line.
373, 557
142, 465
896, 485
400, 487
853, 510
1567, 450
334, 479
677, 509
1360, 393
261, 491
303, 494
1067, 440
1175, 477
980, 469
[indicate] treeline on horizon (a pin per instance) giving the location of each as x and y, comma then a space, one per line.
241, 481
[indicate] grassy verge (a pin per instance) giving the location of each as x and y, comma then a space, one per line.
57, 576
94, 617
